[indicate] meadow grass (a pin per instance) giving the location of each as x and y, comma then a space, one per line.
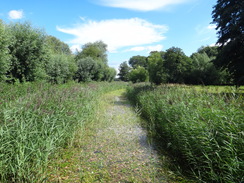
203, 131
37, 119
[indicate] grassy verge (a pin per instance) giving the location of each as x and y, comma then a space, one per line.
202, 131
37, 119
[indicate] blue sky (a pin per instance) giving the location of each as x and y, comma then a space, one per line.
128, 27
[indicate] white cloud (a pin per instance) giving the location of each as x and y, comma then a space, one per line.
201, 30
211, 26
116, 33
146, 48
16, 14
140, 5
75, 48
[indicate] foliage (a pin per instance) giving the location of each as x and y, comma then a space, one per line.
176, 64
109, 74
228, 15
211, 51
202, 131
56, 46
92, 63
138, 60
124, 71
203, 71
4, 51
139, 74
60, 68
36, 119
87, 69
97, 51
156, 69
28, 51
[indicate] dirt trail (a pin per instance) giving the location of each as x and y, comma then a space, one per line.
114, 148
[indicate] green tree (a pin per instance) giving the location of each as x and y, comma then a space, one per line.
204, 71
138, 60
228, 15
139, 74
96, 50
4, 51
109, 74
156, 69
211, 51
124, 71
56, 46
61, 68
176, 64
87, 69
97, 53
28, 52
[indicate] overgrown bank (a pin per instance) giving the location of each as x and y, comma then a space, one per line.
36, 119
202, 131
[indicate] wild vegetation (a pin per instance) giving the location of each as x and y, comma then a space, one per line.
29, 54
210, 65
202, 131
46, 99
36, 119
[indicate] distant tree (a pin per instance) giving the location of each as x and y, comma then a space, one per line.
61, 68
4, 51
204, 71
139, 74
28, 52
176, 65
56, 46
138, 60
211, 51
228, 15
96, 50
96, 53
87, 69
109, 74
156, 69
124, 71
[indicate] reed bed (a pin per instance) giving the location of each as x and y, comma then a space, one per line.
36, 119
204, 132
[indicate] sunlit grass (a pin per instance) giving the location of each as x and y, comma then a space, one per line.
202, 130
37, 119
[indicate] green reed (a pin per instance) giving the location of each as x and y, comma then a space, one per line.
37, 119
203, 131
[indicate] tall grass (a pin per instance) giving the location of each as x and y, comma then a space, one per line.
204, 132
37, 119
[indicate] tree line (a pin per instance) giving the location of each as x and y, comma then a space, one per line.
29, 54
173, 66
222, 64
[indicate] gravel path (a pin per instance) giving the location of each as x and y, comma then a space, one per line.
115, 148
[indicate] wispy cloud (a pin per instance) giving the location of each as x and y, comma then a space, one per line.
211, 26
206, 33
16, 14
203, 30
146, 48
116, 33
140, 5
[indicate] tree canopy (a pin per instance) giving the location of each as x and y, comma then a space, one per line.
228, 15
27, 53
4, 51
124, 71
